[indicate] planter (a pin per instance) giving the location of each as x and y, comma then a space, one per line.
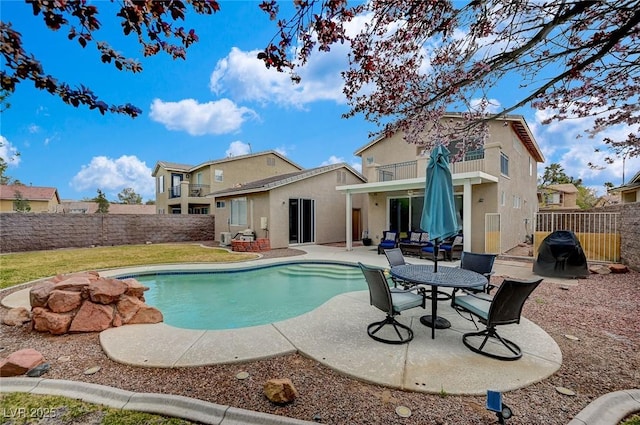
366, 241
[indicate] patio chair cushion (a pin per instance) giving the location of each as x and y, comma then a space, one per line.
415, 237
475, 305
403, 300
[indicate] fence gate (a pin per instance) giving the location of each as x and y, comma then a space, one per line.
492, 243
597, 232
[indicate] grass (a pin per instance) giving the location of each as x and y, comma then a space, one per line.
633, 420
23, 267
23, 408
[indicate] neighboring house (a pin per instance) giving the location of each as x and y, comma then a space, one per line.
86, 207
183, 189
294, 208
40, 199
629, 192
558, 196
495, 187
608, 200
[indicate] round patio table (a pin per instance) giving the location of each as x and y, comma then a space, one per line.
451, 277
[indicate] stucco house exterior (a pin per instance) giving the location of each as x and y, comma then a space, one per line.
495, 187
40, 199
629, 192
183, 189
87, 207
300, 207
558, 196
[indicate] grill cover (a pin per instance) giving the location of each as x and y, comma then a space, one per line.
560, 255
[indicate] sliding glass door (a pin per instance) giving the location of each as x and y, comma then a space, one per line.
302, 221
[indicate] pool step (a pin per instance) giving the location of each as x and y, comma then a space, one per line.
323, 270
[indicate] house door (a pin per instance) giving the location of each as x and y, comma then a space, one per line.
356, 224
302, 221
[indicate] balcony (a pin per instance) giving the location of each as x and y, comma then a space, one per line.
194, 191
473, 161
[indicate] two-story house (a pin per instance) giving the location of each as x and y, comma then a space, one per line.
558, 196
183, 189
495, 187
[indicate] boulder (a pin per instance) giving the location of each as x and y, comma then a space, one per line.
106, 291
19, 362
146, 314
74, 282
128, 306
92, 317
17, 316
280, 391
618, 268
599, 269
44, 320
135, 288
64, 301
39, 293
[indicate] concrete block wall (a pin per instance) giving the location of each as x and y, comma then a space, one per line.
630, 235
30, 232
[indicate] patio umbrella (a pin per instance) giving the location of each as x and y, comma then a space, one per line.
439, 217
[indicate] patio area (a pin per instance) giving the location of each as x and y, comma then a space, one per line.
335, 335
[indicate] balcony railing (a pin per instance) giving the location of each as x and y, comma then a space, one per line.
398, 171
195, 191
473, 161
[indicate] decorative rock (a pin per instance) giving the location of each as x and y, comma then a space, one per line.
242, 375
146, 314
46, 321
92, 370
86, 302
17, 316
599, 269
64, 301
92, 317
403, 411
38, 370
39, 293
565, 391
618, 268
572, 337
280, 391
20, 362
106, 291
64, 359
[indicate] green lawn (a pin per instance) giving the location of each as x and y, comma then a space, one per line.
27, 266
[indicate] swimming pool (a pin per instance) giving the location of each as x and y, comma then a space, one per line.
229, 299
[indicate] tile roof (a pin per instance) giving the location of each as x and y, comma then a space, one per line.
31, 193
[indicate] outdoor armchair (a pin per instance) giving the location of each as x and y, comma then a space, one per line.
392, 302
505, 308
389, 240
479, 263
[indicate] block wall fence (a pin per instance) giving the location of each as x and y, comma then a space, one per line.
32, 232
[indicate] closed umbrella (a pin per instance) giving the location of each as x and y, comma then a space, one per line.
439, 217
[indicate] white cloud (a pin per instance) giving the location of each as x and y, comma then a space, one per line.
243, 77
112, 175
559, 144
238, 148
491, 106
34, 128
218, 117
8, 152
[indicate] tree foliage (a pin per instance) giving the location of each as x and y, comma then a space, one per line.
103, 203
20, 204
153, 23
129, 196
415, 59
555, 174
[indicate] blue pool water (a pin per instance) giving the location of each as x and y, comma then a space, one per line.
249, 297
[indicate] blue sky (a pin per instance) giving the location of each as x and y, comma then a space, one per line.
221, 101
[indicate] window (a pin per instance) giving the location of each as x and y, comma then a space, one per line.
516, 201
530, 167
503, 198
160, 184
199, 178
239, 211
220, 204
271, 162
369, 160
341, 176
504, 164
218, 175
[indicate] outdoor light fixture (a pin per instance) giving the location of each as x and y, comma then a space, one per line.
494, 404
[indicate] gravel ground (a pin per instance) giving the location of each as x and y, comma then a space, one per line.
602, 311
